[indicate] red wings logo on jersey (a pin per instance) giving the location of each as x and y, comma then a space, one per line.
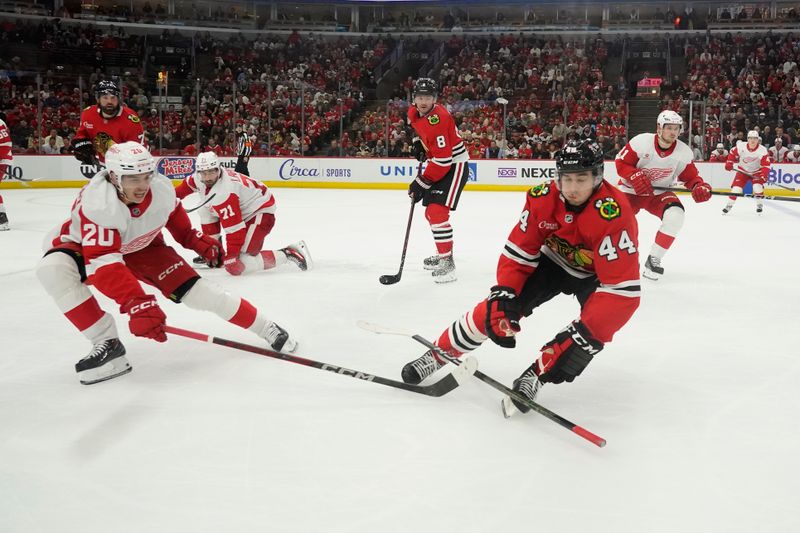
656, 174
539, 190
433, 119
577, 256
608, 208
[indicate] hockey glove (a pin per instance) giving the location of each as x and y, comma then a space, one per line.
728, 165
418, 150
234, 266
209, 249
418, 188
502, 316
701, 192
146, 318
84, 151
565, 357
640, 182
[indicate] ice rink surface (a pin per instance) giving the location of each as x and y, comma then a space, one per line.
697, 396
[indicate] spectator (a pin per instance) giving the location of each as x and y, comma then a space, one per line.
720, 154
51, 146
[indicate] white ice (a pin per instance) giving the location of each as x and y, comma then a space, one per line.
697, 396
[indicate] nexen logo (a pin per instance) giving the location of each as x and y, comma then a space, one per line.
539, 172
506, 172
170, 270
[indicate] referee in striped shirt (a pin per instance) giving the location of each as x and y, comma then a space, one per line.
244, 148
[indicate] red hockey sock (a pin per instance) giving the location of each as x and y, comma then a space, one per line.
85, 315
465, 334
245, 315
664, 240
438, 217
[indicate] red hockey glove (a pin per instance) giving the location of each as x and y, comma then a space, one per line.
565, 357
502, 316
234, 266
146, 317
418, 188
208, 248
728, 165
640, 182
701, 192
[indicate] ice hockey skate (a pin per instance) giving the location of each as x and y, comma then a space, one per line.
298, 254
432, 262
652, 268
527, 385
279, 339
759, 209
3, 221
445, 271
417, 370
727, 208
105, 361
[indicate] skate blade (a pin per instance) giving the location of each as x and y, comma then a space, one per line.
104, 373
508, 407
650, 275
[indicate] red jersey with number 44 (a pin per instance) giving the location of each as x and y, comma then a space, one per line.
104, 132
600, 239
438, 133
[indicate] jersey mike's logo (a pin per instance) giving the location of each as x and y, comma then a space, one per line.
608, 208
433, 119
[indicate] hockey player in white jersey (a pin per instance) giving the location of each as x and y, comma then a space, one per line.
657, 160
778, 153
751, 161
245, 210
794, 155
113, 241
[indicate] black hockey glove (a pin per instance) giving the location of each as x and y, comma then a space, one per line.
418, 150
565, 357
84, 151
502, 316
418, 188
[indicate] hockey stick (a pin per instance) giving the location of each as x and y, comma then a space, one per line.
737, 194
458, 375
751, 176
201, 205
561, 421
391, 279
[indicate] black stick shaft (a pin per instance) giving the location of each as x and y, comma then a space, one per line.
738, 194
439, 388
547, 413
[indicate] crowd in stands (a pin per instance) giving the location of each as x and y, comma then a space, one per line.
747, 83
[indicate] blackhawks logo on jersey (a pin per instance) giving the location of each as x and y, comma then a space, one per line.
577, 256
433, 119
103, 142
608, 208
133, 118
539, 190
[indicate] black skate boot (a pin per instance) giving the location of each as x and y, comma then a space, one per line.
419, 369
3, 221
432, 262
446, 270
652, 268
199, 260
279, 339
527, 385
727, 208
105, 361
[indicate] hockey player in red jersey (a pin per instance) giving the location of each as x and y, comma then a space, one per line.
751, 161
575, 236
245, 210
5, 161
105, 124
113, 241
439, 186
656, 160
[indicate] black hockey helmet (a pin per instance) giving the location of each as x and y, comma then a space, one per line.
578, 155
425, 86
106, 87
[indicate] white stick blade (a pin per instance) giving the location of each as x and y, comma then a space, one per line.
381, 330
465, 370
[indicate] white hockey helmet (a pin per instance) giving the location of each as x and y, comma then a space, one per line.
206, 161
796, 147
129, 158
669, 117
753, 134
720, 146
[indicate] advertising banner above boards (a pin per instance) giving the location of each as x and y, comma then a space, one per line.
356, 173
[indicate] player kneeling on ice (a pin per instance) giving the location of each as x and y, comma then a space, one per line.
576, 236
658, 159
113, 241
245, 209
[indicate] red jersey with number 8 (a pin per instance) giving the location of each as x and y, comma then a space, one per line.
438, 133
